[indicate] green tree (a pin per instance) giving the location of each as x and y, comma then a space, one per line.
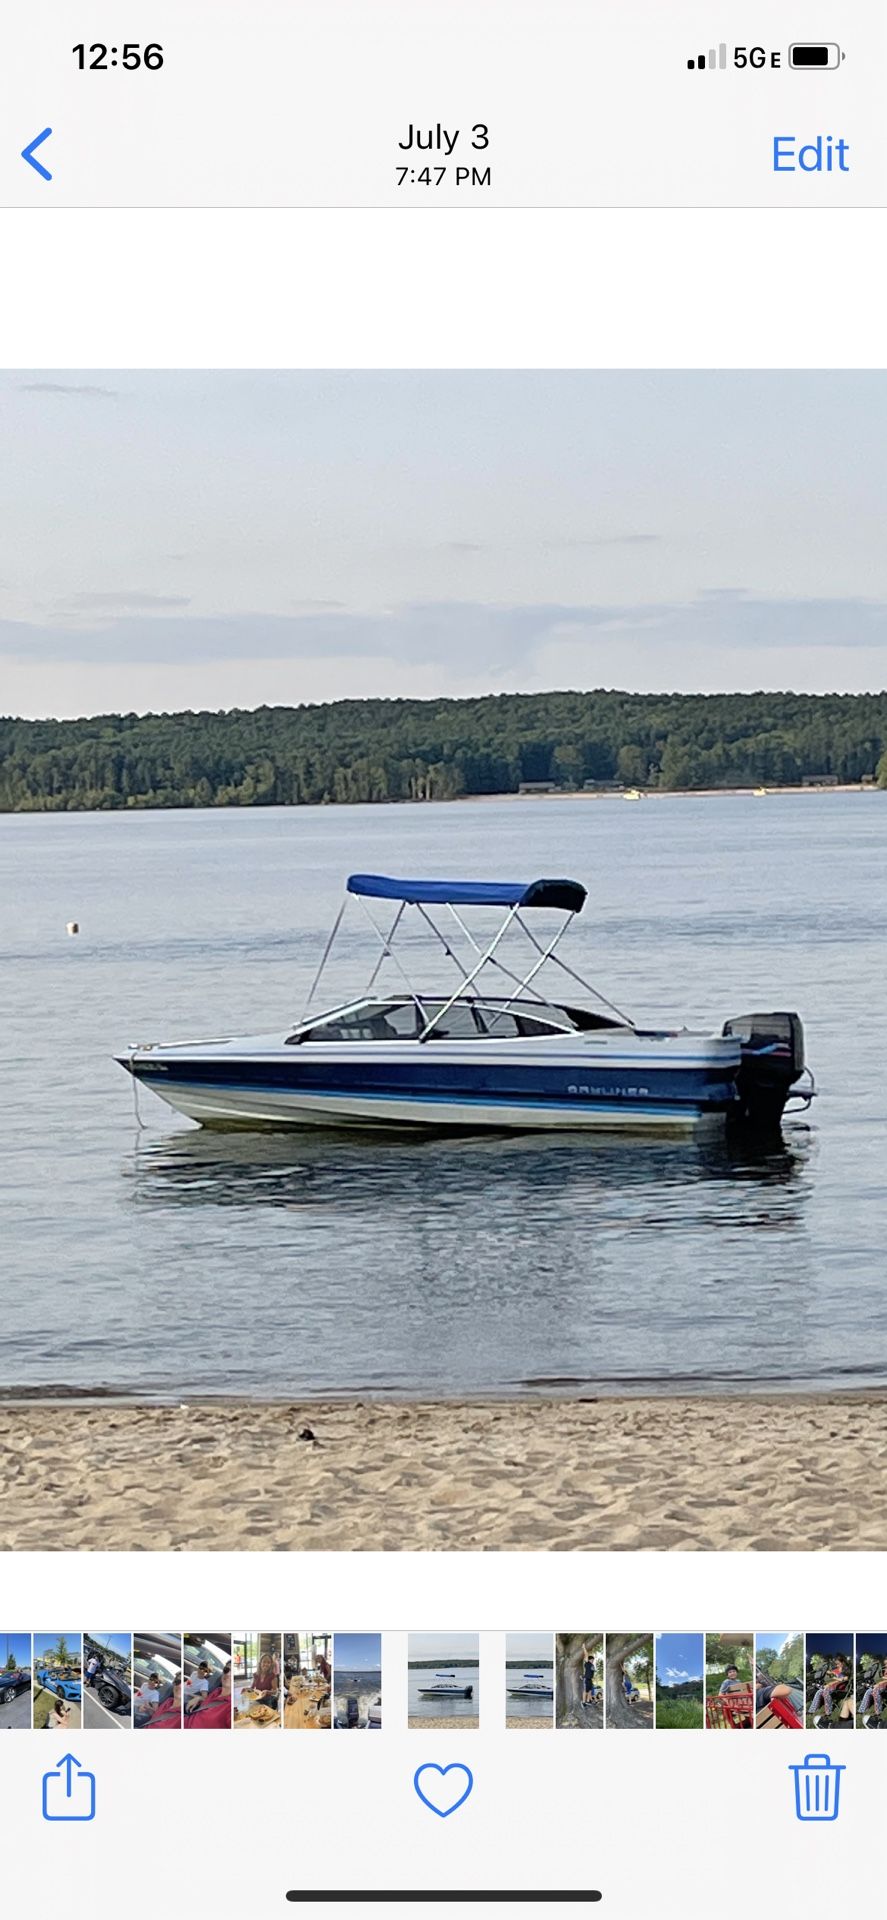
632, 766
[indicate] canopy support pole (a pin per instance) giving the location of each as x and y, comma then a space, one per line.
324, 958
584, 984
498, 964
388, 952
469, 977
387, 941
544, 955
439, 935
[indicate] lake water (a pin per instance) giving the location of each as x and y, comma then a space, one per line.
442, 1708
540, 1708
363, 1685
177, 1262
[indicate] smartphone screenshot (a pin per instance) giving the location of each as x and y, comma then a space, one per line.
443, 818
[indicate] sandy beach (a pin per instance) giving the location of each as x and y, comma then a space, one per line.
442, 1723
554, 1474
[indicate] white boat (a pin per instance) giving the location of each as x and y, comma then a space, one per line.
445, 1686
533, 1687
473, 1058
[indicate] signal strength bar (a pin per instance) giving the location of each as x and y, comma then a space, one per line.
715, 57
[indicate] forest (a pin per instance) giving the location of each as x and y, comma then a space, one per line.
785, 1663
423, 750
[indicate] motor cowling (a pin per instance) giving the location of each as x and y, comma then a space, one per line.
772, 1060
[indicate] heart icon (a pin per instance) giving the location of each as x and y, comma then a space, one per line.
443, 1789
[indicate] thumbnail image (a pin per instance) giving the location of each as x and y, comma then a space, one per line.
357, 1680
830, 1696
579, 1679
871, 1679
628, 1679
15, 1680
107, 1680
444, 1681
680, 1680
257, 1689
57, 1682
779, 1679
474, 627
157, 1682
529, 1680
308, 1681
729, 1682
206, 1665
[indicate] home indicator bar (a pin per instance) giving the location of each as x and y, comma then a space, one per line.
438, 1896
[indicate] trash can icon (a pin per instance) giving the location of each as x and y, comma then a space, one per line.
817, 1787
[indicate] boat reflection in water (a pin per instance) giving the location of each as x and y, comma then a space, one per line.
512, 1265
356, 1175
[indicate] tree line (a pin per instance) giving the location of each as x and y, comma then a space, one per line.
391, 750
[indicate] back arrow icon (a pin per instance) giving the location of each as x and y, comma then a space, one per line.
29, 151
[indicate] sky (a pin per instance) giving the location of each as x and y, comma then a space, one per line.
449, 1647
357, 1652
777, 1637
119, 1643
865, 1643
174, 540
679, 1656
830, 1643
45, 1643
529, 1647
18, 1645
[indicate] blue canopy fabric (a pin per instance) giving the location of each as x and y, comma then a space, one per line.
566, 895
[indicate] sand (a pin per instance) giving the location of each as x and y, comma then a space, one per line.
767, 1473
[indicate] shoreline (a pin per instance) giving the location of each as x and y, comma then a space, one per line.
92, 1399
548, 1393
527, 1476
666, 793
465, 799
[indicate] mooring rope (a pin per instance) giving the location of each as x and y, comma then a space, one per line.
135, 1103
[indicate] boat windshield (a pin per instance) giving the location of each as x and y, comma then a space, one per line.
466, 1019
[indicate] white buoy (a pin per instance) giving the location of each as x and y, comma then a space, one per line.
72, 926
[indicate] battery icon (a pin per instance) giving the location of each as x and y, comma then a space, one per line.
814, 56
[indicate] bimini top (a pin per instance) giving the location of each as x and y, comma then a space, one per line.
565, 895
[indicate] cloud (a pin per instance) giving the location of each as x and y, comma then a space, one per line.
81, 388
556, 546
470, 642
603, 540
120, 601
676, 1673
317, 606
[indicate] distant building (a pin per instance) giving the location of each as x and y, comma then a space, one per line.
819, 780
539, 786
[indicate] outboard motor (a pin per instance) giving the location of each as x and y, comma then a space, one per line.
772, 1061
